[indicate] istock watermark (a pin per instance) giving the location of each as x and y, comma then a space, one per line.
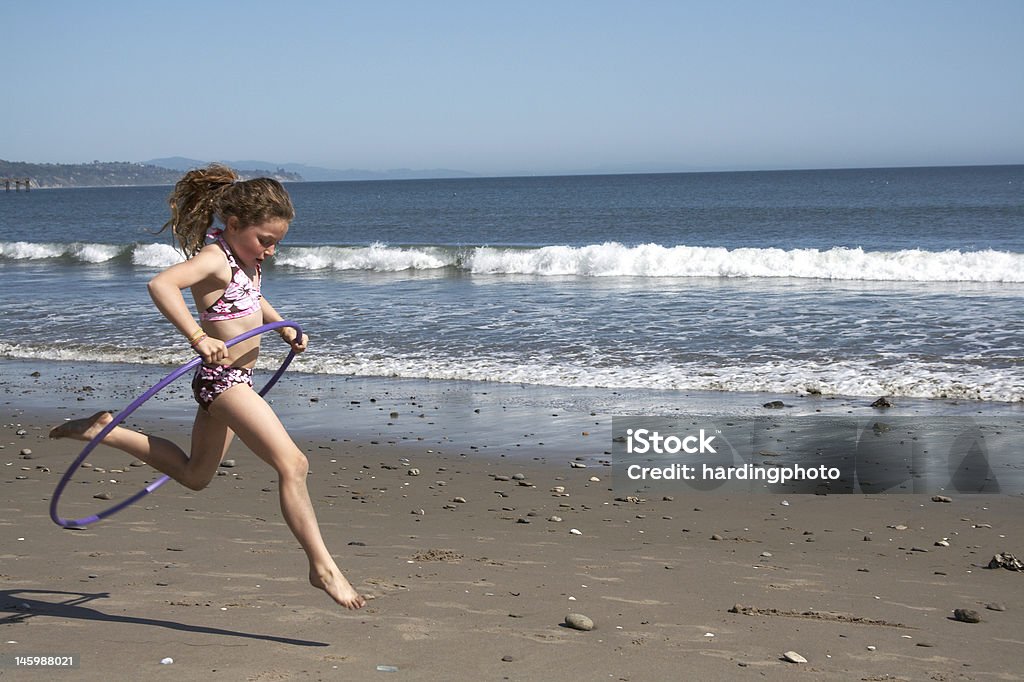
819, 454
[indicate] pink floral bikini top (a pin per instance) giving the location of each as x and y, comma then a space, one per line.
241, 297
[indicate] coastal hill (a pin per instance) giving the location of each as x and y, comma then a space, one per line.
111, 174
167, 171
318, 174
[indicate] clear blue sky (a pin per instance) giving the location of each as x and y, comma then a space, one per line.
497, 87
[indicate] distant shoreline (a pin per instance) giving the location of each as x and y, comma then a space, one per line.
107, 174
149, 174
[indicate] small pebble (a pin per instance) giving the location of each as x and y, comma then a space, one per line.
967, 616
577, 621
575, 531
103, 496
794, 657
166, 661
996, 606
228, 463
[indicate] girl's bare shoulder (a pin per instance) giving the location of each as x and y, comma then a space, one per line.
206, 266
210, 261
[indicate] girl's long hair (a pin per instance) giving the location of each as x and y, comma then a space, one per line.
216, 192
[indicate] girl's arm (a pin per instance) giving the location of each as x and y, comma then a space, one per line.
287, 333
165, 290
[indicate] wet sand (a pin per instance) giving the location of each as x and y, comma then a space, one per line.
471, 562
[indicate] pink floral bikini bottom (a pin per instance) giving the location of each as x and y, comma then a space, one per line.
210, 381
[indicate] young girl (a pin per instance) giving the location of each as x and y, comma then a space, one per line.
225, 278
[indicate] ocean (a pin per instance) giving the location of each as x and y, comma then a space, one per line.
860, 283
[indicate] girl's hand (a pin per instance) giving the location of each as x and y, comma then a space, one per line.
214, 351
298, 345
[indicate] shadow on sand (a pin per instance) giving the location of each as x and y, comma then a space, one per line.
25, 604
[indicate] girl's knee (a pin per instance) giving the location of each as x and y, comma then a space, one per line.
294, 466
199, 470
195, 482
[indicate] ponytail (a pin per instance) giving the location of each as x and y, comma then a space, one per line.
216, 192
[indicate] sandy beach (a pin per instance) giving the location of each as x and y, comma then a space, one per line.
463, 516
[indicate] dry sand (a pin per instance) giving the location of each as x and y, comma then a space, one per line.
472, 576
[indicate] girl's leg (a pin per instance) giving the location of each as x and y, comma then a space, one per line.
210, 441
249, 415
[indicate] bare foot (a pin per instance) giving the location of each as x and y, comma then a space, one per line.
82, 429
338, 588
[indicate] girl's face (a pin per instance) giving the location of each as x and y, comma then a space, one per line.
253, 243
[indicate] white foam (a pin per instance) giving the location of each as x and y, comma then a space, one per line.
612, 259
149, 255
91, 353
85, 253
31, 251
95, 253
783, 377
854, 378
156, 255
376, 257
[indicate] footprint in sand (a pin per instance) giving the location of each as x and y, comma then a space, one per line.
542, 637
416, 629
375, 588
638, 602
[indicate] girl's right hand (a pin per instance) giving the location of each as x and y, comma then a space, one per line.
214, 351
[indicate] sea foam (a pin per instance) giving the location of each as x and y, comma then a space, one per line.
610, 259
376, 257
156, 255
652, 260
860, 377
148, 255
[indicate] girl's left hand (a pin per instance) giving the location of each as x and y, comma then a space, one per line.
298, 345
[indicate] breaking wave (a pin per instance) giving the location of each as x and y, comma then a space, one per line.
609, 259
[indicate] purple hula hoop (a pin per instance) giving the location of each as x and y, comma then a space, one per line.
121, 416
